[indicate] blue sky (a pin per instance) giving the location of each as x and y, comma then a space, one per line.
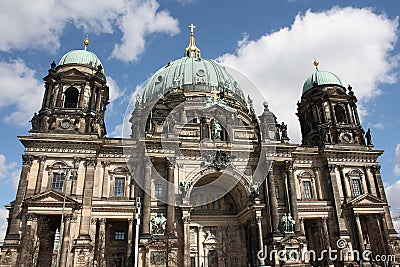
273, 42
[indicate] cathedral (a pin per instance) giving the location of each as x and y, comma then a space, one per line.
202, 180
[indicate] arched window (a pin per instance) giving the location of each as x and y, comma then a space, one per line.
340, 114
71, 98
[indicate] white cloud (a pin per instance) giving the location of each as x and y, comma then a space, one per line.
396, 169
139, 21
9, 172
3, 223
353, 43
379, 126
115, 91
392, 193
21, 90
47, 19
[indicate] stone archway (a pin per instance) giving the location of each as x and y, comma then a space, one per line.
216, 227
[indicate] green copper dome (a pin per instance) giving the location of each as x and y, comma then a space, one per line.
81, 57
320, 77
190, 74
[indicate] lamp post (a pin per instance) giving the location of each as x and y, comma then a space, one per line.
137, 219
72, 176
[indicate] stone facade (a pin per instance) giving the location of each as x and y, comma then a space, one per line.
212, 183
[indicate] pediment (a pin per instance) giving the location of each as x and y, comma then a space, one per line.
366, 200
51, 199
73, 73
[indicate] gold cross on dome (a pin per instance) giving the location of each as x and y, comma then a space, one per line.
192, 27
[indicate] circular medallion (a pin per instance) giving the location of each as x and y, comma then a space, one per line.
65, 124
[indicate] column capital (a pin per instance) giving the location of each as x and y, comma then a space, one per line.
339, 167
332, 168
375, 169
90, 162
357, 216
77, 160
287, 165
42, 158
102, 221
171, 162
27, 160
131, 220
93, 221
31, 217
69, 217
105, 163
316, 170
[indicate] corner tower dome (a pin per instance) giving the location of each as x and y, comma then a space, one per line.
81, 57
191, 73
320, 77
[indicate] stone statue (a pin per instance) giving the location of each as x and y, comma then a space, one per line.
283, 130
184, 187
368, 137
216, 130
254, 190
158, 224
287, 223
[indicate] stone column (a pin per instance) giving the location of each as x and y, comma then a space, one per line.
15, 220
346, 192
337, 202
39, 178
104, 187
260, 233
302, 230
376, 171
102, 242
359, 233
170, 195
273, 201
146, 198
65, 239
29, 241
368, 180
385, 233
87, 199
186, 234
326, 239
325, 232
201, 248
129, 248
288, 167
318, 183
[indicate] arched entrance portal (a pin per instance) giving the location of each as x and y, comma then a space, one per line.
217, 227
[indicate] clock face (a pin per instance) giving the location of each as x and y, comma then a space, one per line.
346, 137
65, 124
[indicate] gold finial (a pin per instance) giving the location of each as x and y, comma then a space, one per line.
86, 42
316, 63
192, 50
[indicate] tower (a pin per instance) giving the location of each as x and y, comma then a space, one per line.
75, 97
328, 112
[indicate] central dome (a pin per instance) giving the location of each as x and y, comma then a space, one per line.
191, 74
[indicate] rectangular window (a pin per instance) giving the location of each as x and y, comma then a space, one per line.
307, 190
119, 235
119, 187
356, 186
58, 181
158, 192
